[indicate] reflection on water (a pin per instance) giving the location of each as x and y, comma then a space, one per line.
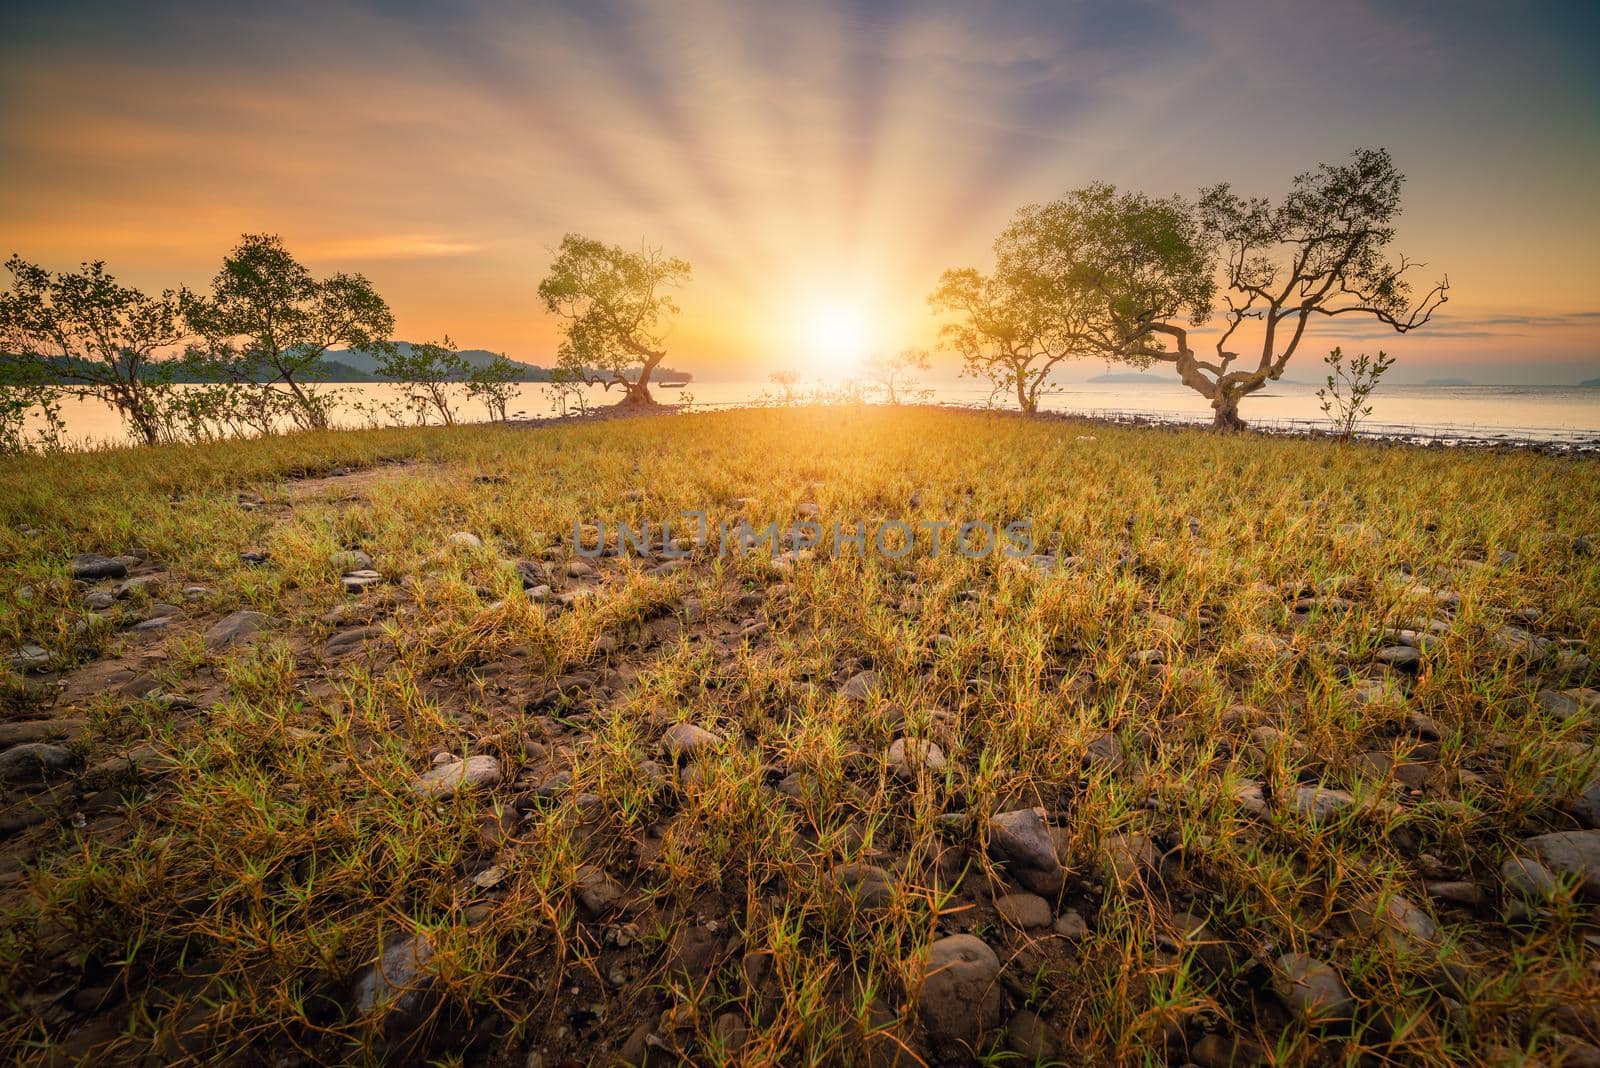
1540, 413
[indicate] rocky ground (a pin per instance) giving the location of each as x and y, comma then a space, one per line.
356, 758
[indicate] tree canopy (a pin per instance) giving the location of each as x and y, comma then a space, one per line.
617, 311
266, 310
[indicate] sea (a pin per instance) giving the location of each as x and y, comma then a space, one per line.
1564, 417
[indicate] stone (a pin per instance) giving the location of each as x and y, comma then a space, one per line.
1529, 878
692, 952
1464, 894
1031, 1039
580, 569
908, 756
99, 600
1071, 925
862, 886
1405, 657
35, 762
356, 581
685, 741
1393, 920
88, 567
398, 979
1105, 752
462, 539
348, 560
41, 730
1021, 841
1585, 807
1027, 911
137, 584
1572, 854
960, 997
1319, 803
1129, 855
860, 686
446, 780
232, 629
29, 658
1312, 988
597, 892
540, 593
351, 638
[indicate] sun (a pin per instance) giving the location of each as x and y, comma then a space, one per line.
837, 336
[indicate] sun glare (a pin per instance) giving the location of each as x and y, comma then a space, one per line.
838, 336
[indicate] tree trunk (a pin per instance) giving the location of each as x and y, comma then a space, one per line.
638, 393
1226, 406
1028, 405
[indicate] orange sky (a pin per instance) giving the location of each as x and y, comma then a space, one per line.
846, 154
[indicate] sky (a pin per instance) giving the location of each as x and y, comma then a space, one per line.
819, 164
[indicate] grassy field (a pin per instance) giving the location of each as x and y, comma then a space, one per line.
1253, 763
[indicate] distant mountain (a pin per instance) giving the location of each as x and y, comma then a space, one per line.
354, 365
1126, 376
1448, 382
1590, 382
1139, 377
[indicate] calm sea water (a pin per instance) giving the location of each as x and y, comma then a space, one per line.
1561, 414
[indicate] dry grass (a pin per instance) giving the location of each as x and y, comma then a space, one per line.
221, 907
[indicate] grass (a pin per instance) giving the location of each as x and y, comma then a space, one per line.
221, 907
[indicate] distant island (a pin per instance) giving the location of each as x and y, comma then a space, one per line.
1140, 377
357, 365
1448, 382
1592, 382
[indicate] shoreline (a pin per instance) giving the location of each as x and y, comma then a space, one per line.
1417, 437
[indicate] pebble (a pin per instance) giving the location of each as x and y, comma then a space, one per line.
960, 997
1394, 920
356, 581
864, 886
349, 560
1021, 841
234, 628
1072, 925
1031, 1039
597, 892
99, 600
35, 762
91, 566
449, 779
462, 539
397, 980
861, 686
1312, 988
1028, 911
29, 658
907, 756
685, 741
1573, 854
1529, 878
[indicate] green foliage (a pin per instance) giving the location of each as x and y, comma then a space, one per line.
434, 373
494, 384
95, 332
616, 312
1344, 396
266, 312
888, 374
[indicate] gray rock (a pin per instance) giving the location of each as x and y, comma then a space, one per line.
1394, 920
462, 539
35, 762
137, 584
351, 638
91, 566
860, 686
597, 892
1465, 894
195, 593
539, 594
399, 978
29, 658
1585, 807
1028, 911
1021, 841
907, 756
1072, 925
960, 997
234, 628
1529, 878
861, 886
348, 560
41, 730
99, 600
1400, 656
1572, 854
1312, 988
356, 581
1031, 1039
446, 780
1127, 856
685, 741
